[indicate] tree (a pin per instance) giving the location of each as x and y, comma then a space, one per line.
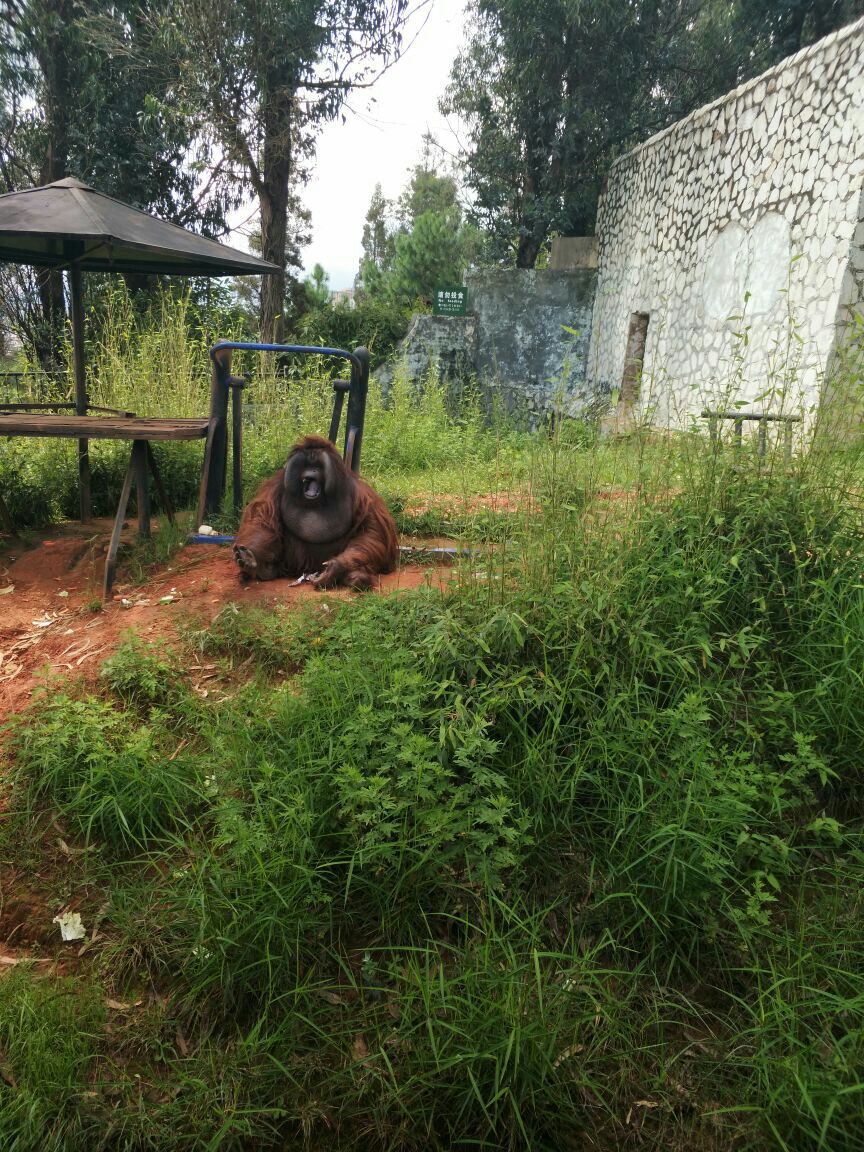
427, 191
86, 91
548, 92
778, 28
409, 252
378, 245
426, 257
551, 92
247, 289
377, 237
317, 290
39, 43
264, 74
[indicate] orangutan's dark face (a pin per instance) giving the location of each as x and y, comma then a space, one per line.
318, 495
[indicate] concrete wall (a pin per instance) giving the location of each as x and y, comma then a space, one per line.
447, 344
757, 195
523, 346
569, 252
514, 339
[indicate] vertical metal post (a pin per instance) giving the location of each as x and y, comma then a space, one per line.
76, 300
237, 445
356, 416
763, 435
739, 432
217, 448
336, 418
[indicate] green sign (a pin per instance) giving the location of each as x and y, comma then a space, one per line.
450, 302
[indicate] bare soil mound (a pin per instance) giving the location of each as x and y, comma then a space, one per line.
52, 618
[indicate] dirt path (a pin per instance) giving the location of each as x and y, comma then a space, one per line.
52, 618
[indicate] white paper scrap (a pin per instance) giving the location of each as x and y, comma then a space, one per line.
71, 927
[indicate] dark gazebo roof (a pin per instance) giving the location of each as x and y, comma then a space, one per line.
57, 224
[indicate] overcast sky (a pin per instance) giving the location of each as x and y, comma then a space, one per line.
379, 141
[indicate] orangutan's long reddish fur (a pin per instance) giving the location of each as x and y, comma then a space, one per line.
369, 548
261, 529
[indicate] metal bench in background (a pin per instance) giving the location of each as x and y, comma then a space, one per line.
763, 418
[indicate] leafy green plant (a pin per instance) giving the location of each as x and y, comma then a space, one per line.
573, 847
142, 676
125, 782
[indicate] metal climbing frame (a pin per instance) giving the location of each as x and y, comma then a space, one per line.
225, 386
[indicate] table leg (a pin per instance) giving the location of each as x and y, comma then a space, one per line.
204, 490
6, 518
85, 498
111, 558
139, 460
160, 487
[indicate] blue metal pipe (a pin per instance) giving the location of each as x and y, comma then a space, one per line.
301, 349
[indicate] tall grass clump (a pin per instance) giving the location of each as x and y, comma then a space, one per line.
117, 775
569, 853
49, 1030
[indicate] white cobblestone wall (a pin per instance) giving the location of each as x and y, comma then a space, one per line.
739, 230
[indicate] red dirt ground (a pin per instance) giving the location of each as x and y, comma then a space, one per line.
41, 628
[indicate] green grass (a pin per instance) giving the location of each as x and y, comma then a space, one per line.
567, 856
570, 853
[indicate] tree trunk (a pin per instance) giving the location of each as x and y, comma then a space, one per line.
273, 199
528, 251
533, 229
51, 48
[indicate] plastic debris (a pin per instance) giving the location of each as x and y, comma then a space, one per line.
71, 927
64, 594
5, 591
306, 578
206, 530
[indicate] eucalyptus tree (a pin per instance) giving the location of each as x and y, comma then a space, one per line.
262, 75
550, 92
86, 89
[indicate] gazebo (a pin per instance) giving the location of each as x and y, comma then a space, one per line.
71, 227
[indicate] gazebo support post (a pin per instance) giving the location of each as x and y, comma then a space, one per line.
216, 452
76, 298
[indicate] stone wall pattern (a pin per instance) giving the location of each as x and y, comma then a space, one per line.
742, 220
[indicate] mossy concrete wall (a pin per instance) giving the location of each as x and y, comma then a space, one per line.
525, 340
445, 344
533, 331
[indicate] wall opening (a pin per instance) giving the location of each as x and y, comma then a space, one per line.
634, 357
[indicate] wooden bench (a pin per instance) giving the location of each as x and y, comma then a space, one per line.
141, 430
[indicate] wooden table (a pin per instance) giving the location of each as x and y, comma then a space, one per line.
140, 430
